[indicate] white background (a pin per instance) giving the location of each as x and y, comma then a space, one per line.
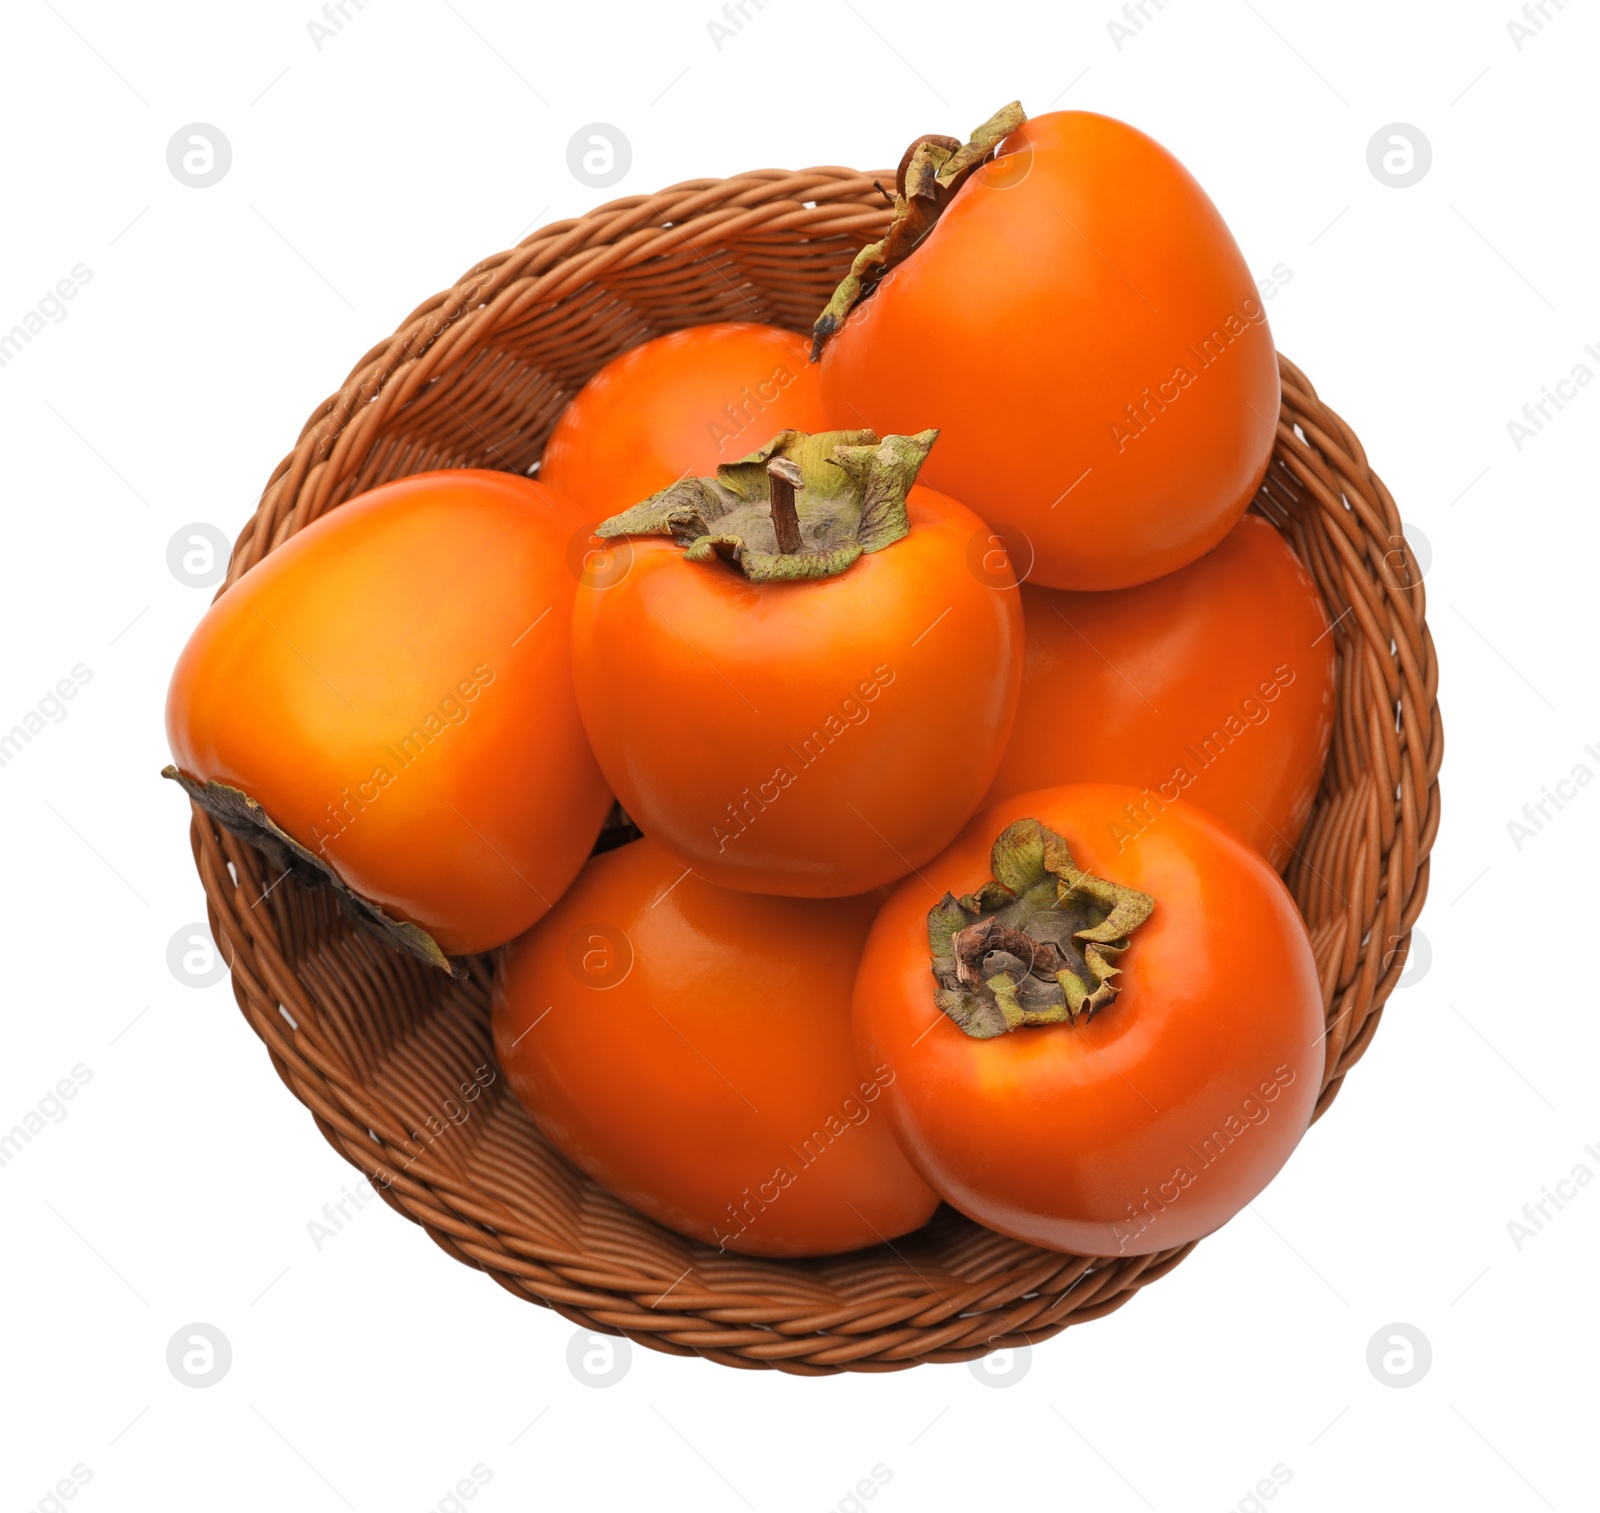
374, 1373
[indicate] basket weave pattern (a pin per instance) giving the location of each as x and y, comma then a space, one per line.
379, 1047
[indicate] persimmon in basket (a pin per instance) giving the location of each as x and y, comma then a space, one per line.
1069, 275
1214, 684
796, 677
385, 703
690, 1048
679, 405
1099, 1047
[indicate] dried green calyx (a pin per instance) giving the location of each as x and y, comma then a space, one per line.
803, 506
932, 171
1038, 944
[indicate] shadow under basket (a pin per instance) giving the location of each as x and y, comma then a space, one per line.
375, 1044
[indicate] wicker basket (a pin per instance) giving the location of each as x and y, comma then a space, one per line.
375, 1044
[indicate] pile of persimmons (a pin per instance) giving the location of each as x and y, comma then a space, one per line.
872, 764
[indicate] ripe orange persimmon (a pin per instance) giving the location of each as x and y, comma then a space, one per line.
1109, 1061
813, 719
387, 698
1084, 284
678, 405
690, 1049
1214, 684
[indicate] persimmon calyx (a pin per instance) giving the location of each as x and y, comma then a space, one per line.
803, 506
1038, 944
932, 171
241, 815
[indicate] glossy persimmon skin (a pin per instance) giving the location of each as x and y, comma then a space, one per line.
1110, 1136
680, 405
393, 686
815, 739
1214, 684
689, 1048
1070, 279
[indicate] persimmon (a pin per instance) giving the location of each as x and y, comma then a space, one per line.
690, 1048
1100, 1048
1214, 684
679, 405
807, 689
385, 702
1071, 270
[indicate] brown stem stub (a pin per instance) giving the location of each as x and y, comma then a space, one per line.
939, 139
977, 941
783, 478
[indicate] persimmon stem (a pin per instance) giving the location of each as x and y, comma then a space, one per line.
931, 173
977, 941
800, 508
1062, 930
783, 476
939, 139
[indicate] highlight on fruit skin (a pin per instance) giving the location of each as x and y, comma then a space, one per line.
384, 705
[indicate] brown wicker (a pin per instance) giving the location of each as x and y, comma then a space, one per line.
376, 1044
